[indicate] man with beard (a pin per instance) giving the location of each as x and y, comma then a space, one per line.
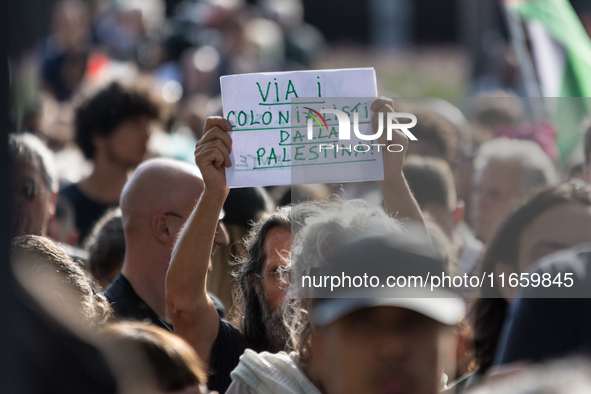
265, 274
263, 278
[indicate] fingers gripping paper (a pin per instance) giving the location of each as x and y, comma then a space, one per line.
269, 114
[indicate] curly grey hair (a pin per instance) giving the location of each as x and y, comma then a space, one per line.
320, 235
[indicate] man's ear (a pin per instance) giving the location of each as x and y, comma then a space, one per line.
506, 291
458, 213
161, 228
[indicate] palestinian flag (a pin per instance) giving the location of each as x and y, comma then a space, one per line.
561, 53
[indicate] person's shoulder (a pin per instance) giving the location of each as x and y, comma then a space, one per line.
117, 290
76, 196
80, 202
127, 305
278, 372
228, 330
283, 357
565, 273
271, 360
218, 305
576, 260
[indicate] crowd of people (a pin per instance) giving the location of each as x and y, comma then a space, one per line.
147, 273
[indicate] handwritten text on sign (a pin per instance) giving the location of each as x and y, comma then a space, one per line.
269, 113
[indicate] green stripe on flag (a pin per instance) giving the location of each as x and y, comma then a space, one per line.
562, 23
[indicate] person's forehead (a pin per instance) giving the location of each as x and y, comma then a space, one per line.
498, 165
276, 241
277, 238
386, 313
500, 173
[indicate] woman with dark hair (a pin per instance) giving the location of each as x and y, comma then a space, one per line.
554, 218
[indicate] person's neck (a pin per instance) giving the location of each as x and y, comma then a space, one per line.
106, 181
146, 290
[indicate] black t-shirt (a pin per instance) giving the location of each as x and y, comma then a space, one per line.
229, 345
128, 305
227, 348
87, 211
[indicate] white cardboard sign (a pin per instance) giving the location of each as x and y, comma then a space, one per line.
269, 112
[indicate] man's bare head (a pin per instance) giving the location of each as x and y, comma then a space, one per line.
159, 186
155, 204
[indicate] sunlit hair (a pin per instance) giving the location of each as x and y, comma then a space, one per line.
175, 365
489, 310
248, 289
46, 259
538, 169
28, 147
313, 245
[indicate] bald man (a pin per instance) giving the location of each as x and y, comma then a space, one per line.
155, 203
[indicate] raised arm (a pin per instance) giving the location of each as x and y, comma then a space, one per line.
193, 313
400, 203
